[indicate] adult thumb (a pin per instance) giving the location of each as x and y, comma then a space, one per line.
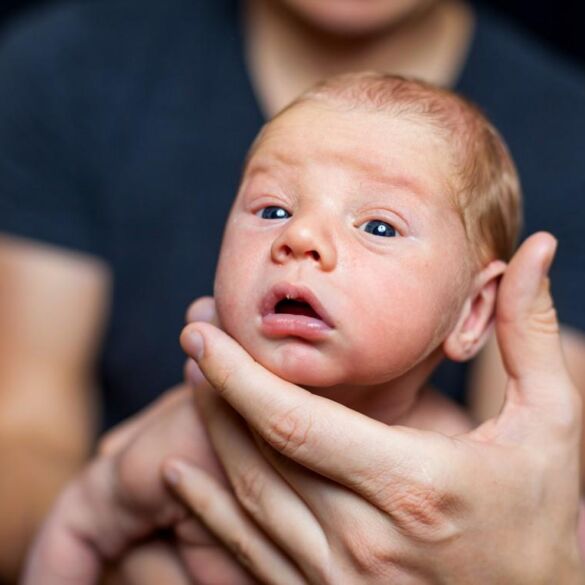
527, 326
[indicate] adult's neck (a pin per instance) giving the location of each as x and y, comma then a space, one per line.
286, 55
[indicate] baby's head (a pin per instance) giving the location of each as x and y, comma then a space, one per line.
373, 221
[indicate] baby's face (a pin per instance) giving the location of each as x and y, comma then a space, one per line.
343, 260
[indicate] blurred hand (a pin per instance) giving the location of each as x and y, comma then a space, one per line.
106, 515
351, 500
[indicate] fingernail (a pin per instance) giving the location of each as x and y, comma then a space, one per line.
172, 473
195, 344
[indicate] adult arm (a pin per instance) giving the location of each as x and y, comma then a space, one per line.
52, 309
373, 504
109, 518
119, 501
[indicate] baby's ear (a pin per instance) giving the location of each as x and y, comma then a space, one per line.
474, 324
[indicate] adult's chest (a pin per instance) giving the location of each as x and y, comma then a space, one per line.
175, 166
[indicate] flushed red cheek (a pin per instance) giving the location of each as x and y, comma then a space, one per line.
391, 335
232, 299
227, 301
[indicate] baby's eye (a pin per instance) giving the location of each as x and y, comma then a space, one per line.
273, 212
378, 227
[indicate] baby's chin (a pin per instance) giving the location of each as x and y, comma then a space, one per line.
300, 363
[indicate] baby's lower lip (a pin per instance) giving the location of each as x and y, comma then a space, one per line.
289, 325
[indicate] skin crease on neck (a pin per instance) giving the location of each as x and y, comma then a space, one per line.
292, 44
391, 300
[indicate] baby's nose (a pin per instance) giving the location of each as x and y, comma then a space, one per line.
305, 241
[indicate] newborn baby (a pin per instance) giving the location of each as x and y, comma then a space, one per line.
373, 221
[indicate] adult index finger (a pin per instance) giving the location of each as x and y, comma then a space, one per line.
365, 455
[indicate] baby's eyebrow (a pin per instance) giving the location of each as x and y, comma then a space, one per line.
403, 183
396, 181
372, 172
267, 163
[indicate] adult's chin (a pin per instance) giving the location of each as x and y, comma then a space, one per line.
353, 18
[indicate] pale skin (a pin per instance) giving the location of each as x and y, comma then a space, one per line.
282, 60
329, 545
331, 197
52, 308
90, 518
305, 167
535, 440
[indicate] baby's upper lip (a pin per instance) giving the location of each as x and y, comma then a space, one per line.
297, 292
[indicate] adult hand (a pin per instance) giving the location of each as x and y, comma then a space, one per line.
119, 501
351, 500
115, 502
112, 513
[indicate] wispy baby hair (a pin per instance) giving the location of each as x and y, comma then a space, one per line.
486, 191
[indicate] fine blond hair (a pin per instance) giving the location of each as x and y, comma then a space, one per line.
486, 192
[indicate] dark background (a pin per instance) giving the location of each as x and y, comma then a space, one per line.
559, 24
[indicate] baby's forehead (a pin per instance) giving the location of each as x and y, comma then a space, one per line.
369, 143
305, 112
315, 126
367, 96
478, 174
297, 152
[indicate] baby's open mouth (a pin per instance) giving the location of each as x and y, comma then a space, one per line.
290, 310
296, 307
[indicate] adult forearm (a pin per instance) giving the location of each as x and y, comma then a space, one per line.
32, 475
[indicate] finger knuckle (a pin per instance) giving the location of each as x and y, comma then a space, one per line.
290, 431
131, 470
424, 512
241, 548
370, 557
222, 381
249, 487
544, 320
324, 573
126, 478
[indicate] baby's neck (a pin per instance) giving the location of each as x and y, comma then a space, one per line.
392, 402
408, 402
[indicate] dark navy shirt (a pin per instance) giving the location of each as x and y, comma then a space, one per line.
123, 127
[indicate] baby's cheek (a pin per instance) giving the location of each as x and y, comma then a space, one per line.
229, 297
391, 337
